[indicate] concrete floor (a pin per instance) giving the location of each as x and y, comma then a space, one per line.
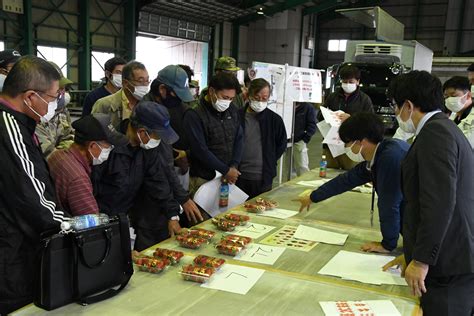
315, 150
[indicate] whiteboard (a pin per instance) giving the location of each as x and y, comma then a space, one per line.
288, 84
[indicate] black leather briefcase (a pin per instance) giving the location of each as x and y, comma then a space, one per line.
84, 267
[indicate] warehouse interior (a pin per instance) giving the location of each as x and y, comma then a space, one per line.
302, 244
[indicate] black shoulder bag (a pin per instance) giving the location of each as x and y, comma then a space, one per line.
87, 266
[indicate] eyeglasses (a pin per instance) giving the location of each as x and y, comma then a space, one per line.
56, 97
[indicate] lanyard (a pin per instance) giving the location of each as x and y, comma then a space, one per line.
372, 207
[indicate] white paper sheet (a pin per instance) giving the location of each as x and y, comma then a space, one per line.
331, 117
207, 197
365, 268
323, 128
313, 183
261, 254
252, 230
319, 235
278, 213
332, 137
234, 279
336, 150
360, 308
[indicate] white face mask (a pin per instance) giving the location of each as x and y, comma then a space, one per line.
103, 156
349, 87
152, 143
456, 104
408, 126
67, 98
2, 81
140, 92
117, 80
258, 106
221, 105
52, 106
354, 157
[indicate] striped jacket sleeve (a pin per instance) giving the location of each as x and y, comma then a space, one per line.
28, 196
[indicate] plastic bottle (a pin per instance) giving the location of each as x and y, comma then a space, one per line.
323, 167
224, 194
85, 221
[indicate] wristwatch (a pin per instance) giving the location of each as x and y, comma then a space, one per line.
174, 218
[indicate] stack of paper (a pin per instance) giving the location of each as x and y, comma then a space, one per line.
319, 235
329, 128
365, 268
359, 308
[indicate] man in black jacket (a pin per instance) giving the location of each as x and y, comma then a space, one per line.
264, 141
305, 127
438, 186
136, 179
28, 203
214, 133
349, 99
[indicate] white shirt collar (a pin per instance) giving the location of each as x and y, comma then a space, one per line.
424, 119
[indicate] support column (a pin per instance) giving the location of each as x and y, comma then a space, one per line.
84, 52
130, 29
27, 43
235, 40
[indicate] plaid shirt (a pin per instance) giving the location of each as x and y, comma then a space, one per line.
71, 174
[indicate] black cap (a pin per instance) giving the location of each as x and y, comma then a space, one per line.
471, 67
97, 127
8, 56
155, 117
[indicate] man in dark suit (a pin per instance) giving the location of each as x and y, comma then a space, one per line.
438, 186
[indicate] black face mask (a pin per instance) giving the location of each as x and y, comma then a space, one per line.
171, 101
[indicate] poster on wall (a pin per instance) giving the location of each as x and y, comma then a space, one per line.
303, 85
289, 84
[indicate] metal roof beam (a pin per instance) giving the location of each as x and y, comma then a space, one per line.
271, 10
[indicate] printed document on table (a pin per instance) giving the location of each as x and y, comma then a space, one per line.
360, 308
319, 235
235, 279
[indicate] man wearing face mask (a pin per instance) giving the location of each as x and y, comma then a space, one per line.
349, 99
71, 168
28, 202
378, 161
8, 58
214, 133
171, 89
437, 185
57, 133
113, 83
135, 85
264, 141
459, 101
136, 180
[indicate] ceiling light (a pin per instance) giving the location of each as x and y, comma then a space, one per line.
260, 11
